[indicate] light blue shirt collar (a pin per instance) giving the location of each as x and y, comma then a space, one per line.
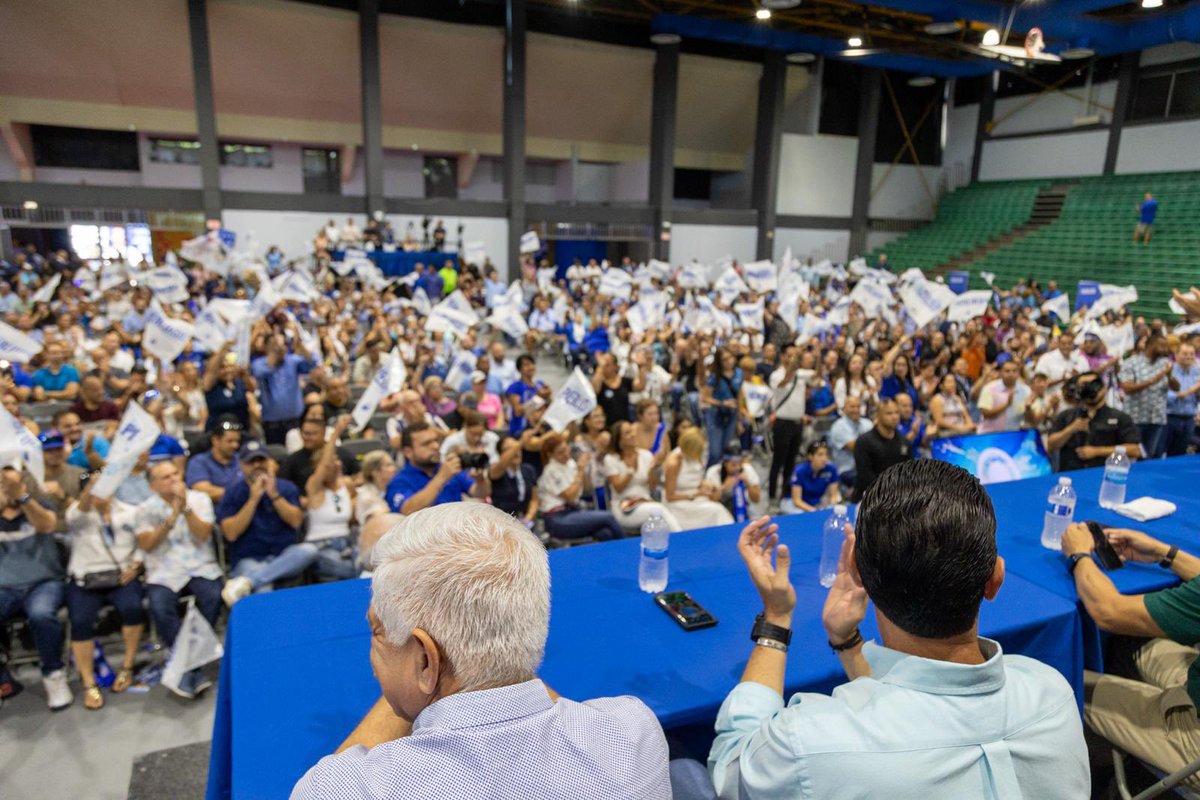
937, 677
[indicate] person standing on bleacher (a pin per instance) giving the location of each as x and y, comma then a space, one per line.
1147, 210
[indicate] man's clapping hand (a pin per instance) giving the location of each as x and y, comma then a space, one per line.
846, 603
758, 542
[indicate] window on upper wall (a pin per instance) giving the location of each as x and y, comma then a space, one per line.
84, 148
540, 173
693, 184
175, 151
234, 154
1170, 91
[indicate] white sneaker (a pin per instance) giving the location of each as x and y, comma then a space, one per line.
58, 693
235, 589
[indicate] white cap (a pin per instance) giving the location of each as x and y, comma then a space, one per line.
839, 509
1064, 481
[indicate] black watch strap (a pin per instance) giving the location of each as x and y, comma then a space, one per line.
1073, 561
765, 630
1169, 558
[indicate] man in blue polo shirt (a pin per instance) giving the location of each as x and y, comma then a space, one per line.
1146, 213
260, 517
522, 390
57, 380
426, 479
211, 471
278, 375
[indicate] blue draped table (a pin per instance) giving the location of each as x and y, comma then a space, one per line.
398, 262
296, 676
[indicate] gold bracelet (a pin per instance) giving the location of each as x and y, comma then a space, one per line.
762, 641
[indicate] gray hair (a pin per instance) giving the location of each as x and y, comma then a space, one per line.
476, 580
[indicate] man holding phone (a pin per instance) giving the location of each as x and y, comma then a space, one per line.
936, 710
1150, 714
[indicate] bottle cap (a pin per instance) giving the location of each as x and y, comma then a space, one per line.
1119, 449
1064, 481
839, 509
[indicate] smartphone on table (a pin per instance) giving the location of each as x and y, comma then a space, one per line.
690, 615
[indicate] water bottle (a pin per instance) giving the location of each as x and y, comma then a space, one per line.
1060, 510
103, 673
656, 542
831, 544
1116, 473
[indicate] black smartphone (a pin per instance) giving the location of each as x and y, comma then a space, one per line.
690, 615
1105, 552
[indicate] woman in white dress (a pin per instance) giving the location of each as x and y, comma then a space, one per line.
693, 501
630, 472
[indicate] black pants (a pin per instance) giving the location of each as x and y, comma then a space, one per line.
276, 432
786, 434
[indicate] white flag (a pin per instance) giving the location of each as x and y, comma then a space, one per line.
232, 311
749, 315
871, 295
811, 327
1118, 339
729, 285
164, 338
1058, 306
447, 320
397, 371
530, 242
460, 371
573, 402
616, 283
969, 305
19, 447
195, 645
761, 276
756, 396
924, 301
168, 284
911, 274
420, 302
210, 331
1112, 298
510, 321
659, 269
379, 388
206, 249
1173, 304
457, 301
112, 274
16, 346
840, 313
296, 287
46, 293
241, 342
135, 434
988, 277
858, 266
823, 268
693, 277
264, 301
474, 253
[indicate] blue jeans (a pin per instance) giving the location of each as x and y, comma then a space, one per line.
264, 572
164, 606
41, 603
1180, 428
719, 436
690, 780
336, 558
600, 525
84, 606
1154, 439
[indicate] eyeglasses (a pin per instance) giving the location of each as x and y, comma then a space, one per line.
228, 425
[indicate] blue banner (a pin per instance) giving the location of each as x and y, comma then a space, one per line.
228, 238
1087, 293
957, 281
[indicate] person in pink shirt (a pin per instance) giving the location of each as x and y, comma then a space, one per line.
486, 403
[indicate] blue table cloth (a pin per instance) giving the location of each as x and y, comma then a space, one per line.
399, 263
296, 677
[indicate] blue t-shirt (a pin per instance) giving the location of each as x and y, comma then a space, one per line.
79, 458
268, 534
52, 382
892, 386
821, 398
813, 486
726, 388
524, 392
279, 386
22, 378
1148, 208
206, 468
134, 322
411, 480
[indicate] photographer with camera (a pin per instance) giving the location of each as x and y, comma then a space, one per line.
429, 480
1086, 434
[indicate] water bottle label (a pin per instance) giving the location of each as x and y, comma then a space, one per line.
1059, 509
1116, 476
655, 554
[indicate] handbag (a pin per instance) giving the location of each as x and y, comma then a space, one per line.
107, 579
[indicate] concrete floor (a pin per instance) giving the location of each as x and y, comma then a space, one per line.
89, 755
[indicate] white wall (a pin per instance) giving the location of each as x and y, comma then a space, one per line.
1062, 155
403, 174
810, 243
902, 195
959, 152
629, 182
90, 177
293, 231
1052, 111
707, 243
816, 175
1159, 148
285, 175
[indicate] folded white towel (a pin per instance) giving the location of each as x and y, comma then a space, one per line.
1146, 508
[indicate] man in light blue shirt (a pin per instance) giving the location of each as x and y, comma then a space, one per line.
1181, 403
842, 436
936, 711
463, 714
278, 375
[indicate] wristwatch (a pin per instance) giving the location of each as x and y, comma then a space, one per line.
1168, 559
765, 630
1073, 561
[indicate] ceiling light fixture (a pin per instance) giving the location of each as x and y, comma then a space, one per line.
1077, 52
30, 205
665, 38
921, 81
1152, 3
801, 58
943, 28
991, 38
854, 41
762, 14
779, 5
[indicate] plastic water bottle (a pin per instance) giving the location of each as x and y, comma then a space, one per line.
1060, 511
1116, 474
103, 673
831, 544
656, 543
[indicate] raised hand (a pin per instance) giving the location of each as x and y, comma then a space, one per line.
846, 603
758, 542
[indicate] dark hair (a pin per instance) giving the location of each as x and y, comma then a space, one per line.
925, 546
471, 418
524, 357
406, 436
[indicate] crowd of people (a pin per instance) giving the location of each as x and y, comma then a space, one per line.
309, 405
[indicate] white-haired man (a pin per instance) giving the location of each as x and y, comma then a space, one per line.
459, 614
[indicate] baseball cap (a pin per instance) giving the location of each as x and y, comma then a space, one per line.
252, 450
1003, 359
535, 403
478, 375
51, 440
